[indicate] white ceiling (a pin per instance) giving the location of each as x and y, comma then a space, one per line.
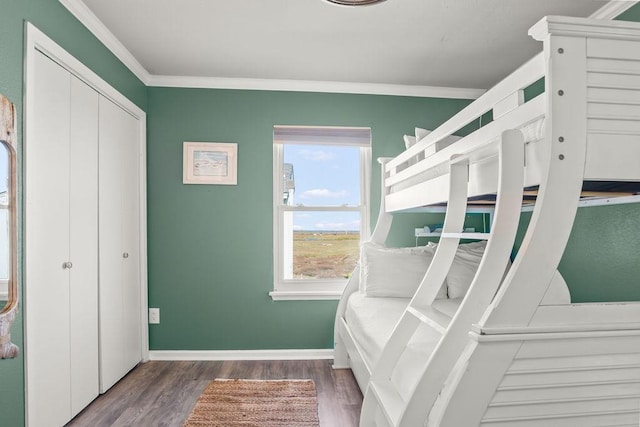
441, 43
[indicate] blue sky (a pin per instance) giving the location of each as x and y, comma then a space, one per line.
4, 166
325, 176
4, 238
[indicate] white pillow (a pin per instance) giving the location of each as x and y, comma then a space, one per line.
409, 141
421, 133
464, 267
394, 272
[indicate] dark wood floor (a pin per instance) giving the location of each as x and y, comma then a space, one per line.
163, 393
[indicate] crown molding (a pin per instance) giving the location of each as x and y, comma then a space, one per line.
612, 9
102, 33
314, 86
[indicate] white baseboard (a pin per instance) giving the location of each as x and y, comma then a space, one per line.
241, 354
337, 366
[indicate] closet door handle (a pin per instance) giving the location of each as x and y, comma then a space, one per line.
125, 255
67, 265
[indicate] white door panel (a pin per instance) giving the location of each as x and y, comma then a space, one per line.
82, 296
120, 333
131, 243
84, 245
47, 248
111, 297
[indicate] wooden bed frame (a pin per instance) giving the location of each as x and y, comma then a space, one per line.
518, 352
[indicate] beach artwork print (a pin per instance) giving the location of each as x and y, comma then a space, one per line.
210, 163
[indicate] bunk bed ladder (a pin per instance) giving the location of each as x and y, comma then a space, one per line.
383, 403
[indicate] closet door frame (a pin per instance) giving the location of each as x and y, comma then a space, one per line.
37, 41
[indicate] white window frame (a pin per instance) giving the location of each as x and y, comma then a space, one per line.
313, 289
4, 289
4, 252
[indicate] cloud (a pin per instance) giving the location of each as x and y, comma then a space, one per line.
316, 155
298, 227
324, 193
353, 225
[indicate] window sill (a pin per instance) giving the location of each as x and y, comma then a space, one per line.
304, 295
4, 290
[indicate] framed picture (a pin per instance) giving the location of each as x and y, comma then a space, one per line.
210, 163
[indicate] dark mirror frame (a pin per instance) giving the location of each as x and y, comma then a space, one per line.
8, 350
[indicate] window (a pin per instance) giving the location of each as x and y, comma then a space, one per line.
4, 226
321, 208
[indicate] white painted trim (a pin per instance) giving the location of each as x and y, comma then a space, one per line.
443, 209
612, 9
106, 37
314, 86
78, 9
609, 201
4, 291
552, 329
278, 221
36, 40
597, 202
312, 289
102, 33
550, 334
303, 354
304, 295
144, 279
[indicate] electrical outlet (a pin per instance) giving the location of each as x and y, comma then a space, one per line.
154, 316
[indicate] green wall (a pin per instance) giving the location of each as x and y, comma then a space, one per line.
55, 21
632, 14
600, 262
210, 247
210, 262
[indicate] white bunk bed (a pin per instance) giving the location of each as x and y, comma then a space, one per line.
515, 351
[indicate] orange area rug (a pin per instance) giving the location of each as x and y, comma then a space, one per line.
259, 403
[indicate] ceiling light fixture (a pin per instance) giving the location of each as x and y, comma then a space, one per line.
355, 2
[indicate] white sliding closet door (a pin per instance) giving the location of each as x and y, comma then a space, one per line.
61, 235
47, 248
120, 321
83, 221
131, 245
84, 260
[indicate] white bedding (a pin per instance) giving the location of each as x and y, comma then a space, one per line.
448, 306
371, 321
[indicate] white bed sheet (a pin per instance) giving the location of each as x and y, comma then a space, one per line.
371, 321
448, 306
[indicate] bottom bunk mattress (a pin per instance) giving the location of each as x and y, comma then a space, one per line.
371, 321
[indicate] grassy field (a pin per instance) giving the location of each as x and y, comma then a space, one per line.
324, 255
